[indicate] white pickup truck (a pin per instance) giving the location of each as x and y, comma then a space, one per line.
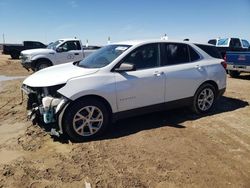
58, 52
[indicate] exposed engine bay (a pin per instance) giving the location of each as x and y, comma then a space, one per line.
44, 105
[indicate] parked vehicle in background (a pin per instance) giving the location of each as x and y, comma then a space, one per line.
230, 44
237, 62
213, 41
90, 49
125, 79
58, 52
14, 50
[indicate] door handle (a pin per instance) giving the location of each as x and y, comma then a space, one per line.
198, 67
76, 53
157, 73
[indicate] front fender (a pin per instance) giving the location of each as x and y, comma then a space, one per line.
102, 85
37, 57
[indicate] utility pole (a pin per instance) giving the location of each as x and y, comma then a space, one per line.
3, 39
87, 43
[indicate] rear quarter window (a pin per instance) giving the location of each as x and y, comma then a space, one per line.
194, 56
210, 50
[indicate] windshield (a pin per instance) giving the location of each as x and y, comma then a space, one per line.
222, 42
53, 45
103, 56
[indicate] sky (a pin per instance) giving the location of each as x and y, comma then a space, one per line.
96, 20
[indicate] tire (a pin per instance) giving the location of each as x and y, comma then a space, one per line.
42, 65
78, 124
234, 74
14, 55
204, 98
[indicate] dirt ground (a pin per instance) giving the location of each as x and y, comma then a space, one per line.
165, 149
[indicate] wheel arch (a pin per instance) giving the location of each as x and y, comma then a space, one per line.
61, 117
86, 97
202, 86
36, 61
213, 83
97, 97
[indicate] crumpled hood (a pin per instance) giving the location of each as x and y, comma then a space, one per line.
37, 51
56, 75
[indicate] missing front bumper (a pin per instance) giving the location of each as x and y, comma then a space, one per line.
49, 115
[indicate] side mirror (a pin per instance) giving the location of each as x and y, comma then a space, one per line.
59, 49
125, 67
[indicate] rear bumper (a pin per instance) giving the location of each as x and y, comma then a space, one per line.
221, 92
240, 68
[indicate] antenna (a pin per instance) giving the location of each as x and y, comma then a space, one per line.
165, 37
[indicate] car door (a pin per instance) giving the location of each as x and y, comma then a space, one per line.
146, 85
76, 50
69, 51
183, 69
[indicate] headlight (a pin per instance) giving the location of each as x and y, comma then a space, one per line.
27, 89
25, 57
52, 90
28, 57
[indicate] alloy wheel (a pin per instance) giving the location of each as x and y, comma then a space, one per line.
87, 121
205, 99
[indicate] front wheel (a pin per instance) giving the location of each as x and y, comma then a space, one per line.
204, 98
42, 65
86, 119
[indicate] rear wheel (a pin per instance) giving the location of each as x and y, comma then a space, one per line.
86, 119
234, 74
204, 98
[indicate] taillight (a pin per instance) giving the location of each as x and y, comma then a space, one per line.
224, 64
225, 58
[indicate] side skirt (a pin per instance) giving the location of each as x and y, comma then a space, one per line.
153, 108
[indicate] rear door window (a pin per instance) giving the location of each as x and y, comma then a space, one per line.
210, 50
28, 44
175, 53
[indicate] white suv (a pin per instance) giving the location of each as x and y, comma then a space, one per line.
125, 79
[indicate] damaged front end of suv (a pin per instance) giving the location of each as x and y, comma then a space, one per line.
45, 106
50, 95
